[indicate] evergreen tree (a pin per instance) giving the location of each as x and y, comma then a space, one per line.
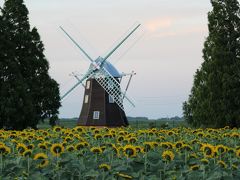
215, 96
28, 93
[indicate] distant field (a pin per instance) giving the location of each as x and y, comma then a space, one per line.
70, 123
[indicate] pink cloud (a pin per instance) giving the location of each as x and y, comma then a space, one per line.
182, 32
156, 24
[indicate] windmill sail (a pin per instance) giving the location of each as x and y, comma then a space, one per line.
80, 81
103, 97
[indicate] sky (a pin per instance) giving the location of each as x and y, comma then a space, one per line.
165, 52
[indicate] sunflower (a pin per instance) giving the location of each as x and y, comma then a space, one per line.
204, 161
208, 150
45, 133
132, 140
160, 138
108, 135
21, 148
235, 135
125, 176
154, 144
234, 167
129, 151
68, 139
25, 141
27, 153
168, 155
4, 149
115, 150
194, 141
148, 146
80, 146
170, 133
222, 164
193, 156
78, 129
179, 144
44, 159
57, 129
103, 147
194, 167
231, 151
150, 133
122, 133
186, 147
139, 149
70, 135
220, 149
41, 139
238, 153
113, 131
86, 144
30, 137
200, 134
64, 143
57, 149
105, 167
96, 150
98, 136
167, 145
96, 131
70, 148
12, 136
42, 146
120, 138
30, 146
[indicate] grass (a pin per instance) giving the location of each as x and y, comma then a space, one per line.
70, 123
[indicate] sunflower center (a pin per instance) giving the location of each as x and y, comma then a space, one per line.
3, 150
57, 149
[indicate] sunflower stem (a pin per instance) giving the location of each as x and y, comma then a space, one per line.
164, 169
1, 163
185, 157
28, 165
145, 163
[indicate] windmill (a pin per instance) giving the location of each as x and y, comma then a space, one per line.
103, 97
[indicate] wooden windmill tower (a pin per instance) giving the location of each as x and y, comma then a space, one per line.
103, 97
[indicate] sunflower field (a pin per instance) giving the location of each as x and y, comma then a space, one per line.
120, 153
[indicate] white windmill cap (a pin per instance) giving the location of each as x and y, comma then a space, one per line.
109, 67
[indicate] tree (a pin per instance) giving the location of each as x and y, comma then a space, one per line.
28, 94
215, 96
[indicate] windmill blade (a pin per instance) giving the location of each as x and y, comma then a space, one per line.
114, 49
112, 87
79, 47
80, 81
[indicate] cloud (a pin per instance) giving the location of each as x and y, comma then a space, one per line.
155, 24
181, 32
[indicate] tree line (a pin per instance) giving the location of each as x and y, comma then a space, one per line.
27, 92
215, 96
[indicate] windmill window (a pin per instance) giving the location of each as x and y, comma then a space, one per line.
96, 114
110, 99
86, 99
88, 85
